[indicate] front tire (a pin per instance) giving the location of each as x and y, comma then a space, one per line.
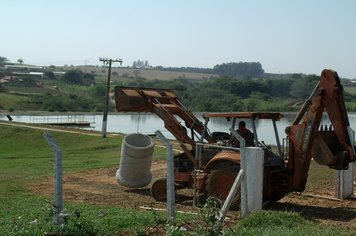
219, 183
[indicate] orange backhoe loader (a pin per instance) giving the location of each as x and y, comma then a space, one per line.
285, 168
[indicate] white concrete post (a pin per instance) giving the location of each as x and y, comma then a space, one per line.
170, 179
251, 164
344, 182
344, 178
252, 187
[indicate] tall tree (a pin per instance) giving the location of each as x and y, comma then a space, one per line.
73, 77
241, 69
3, 59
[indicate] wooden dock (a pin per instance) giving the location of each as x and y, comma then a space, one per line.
75, 123
64, 120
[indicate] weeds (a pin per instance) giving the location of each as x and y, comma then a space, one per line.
209, 215
76, 225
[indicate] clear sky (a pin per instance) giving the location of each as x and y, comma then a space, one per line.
285, 36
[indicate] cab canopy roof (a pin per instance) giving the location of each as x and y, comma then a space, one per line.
245, 115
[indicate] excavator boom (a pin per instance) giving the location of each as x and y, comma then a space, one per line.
331, 146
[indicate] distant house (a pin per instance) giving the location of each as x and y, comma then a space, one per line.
17, 69
23, 68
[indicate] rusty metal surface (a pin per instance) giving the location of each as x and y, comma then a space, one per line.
129, 99
223, 156
330, 146
165, 104
325, 148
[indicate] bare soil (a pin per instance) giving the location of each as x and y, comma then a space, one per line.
100, 187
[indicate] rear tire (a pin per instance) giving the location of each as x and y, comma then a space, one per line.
219, 183
159, 190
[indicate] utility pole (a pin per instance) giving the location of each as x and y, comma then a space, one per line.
107, 61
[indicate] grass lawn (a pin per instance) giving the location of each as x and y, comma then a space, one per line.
25, 156
8, 101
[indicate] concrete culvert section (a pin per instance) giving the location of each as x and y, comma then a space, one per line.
135, 162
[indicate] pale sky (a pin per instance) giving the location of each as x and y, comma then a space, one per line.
285, 36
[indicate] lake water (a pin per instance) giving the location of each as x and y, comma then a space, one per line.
149, 123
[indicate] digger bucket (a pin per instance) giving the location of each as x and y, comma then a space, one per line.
328, 151
129, 99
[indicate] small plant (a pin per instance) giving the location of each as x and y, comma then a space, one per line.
75, 224
173, 230
210, 216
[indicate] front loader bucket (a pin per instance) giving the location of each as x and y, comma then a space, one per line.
130, 100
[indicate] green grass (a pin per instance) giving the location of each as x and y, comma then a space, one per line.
8, 101
276, 223
351, 90
25, 151
32, 215
27, 90
25, 157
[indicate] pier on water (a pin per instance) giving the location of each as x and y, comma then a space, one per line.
64, 120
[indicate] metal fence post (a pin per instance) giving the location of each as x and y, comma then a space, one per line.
170, 178
57, 179
231, 195
244, 197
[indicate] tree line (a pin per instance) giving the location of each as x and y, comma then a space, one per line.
230, 94
239, 86
233, 69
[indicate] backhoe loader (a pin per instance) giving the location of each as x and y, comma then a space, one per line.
285, 167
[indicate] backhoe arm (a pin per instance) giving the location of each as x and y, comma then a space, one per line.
331, 146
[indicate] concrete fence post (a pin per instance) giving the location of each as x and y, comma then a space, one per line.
344, 178
250, 177
170, 178
344, 182
253, 181
57, 179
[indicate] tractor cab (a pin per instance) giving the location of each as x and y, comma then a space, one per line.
251, 138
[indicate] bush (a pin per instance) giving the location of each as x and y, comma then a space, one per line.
77, 225
49, 75
78, 77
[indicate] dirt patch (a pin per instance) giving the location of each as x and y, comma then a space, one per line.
324, 211
100, 187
